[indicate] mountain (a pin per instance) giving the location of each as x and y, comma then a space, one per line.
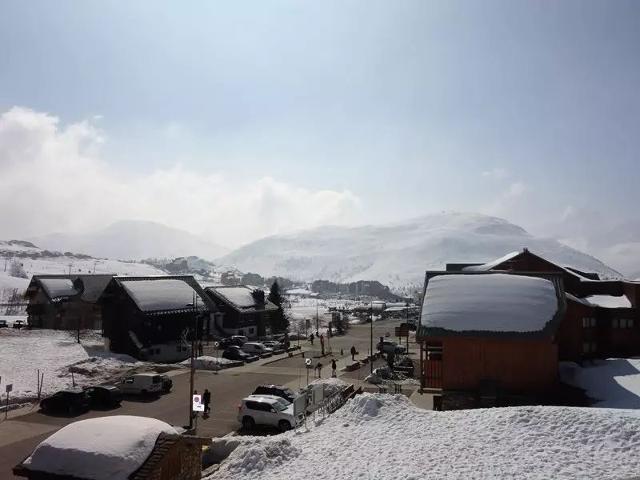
134, 239
397, 254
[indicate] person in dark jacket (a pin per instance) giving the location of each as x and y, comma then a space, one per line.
334, 367
206, 399
353, 353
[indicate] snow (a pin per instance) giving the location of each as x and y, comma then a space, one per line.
490, 265
239, 296
208, 363
161, 294
489, 302
331, 385
612, 383
55, 353
609, 301
105, 448
58, 287
386, 437
300, 291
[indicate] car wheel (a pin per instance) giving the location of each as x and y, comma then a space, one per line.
284, 425
248, 423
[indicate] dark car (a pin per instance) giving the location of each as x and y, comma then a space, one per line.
3, 324
71, 401
19, 324
104, 396
167, 384
277, 390
236, 353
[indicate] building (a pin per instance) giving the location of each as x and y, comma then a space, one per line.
489, 328
66, 302
155, 318
138, 448
242, 310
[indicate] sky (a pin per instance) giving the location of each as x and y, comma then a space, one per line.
236, 120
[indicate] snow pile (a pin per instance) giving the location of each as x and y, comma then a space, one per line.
386, 437
109, 448
612, 383
489, 302
56, 354
331, 385
208, 363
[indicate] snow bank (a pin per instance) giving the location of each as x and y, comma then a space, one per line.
386, 437
609, 301
331, 385
492, 302
55, 353
109, 448
209, 363
613, 383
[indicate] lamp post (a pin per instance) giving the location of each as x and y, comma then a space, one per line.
371, 346
193, 305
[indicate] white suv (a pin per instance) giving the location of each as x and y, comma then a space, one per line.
267, 410
257, 348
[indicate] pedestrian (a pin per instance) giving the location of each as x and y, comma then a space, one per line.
319, 369
311, 338
322, 345
334, 367
353, 353
200, 349
206, 399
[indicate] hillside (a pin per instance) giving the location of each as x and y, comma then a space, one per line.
397, 254
134, 240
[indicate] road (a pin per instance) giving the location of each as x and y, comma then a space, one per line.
19, 435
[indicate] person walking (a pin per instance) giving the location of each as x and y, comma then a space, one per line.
319, 369
206, 399
353, 353
311, 338
322, 345
334, 367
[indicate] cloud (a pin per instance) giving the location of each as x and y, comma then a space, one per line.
53, 178
496, 173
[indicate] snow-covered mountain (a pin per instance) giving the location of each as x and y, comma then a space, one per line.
398, 254
134, 239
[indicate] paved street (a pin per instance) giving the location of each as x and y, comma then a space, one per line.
20, 434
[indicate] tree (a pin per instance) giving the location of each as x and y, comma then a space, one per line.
279, 320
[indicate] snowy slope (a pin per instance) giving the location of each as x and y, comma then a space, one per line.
385, 437
133, 239
398, 254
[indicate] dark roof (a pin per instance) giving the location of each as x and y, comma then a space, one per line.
425, 331
62, 287
164, 294
240, 298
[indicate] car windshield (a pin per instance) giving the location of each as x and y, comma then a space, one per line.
281, 405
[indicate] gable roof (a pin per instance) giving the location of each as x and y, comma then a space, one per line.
62, 287
164, 293
240, 298
495, 304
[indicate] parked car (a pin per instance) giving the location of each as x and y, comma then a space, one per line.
277, 391
71, 401
3, 324
267, 410
238, 340
225, 342
104, 396
388, 346
234, 352
142, 384
257, 348
19, 324
274, 345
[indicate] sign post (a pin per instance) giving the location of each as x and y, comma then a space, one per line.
8, 389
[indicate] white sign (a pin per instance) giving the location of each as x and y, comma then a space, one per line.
197, 405
9, 387
308, 362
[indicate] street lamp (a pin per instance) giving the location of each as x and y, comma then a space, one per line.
371, 319
193, 305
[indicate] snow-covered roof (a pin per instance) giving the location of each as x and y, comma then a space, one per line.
489, 302
240, 297
58, 287
105, 448
609, 301
161, 294
488, 266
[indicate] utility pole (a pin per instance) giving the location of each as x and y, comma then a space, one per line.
371, 319
192, 370
317, 323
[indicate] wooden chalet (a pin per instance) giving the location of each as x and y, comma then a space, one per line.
154, 318
66, 302
242, 310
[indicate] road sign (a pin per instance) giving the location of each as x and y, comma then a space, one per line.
307, 362
9, 387
197, 405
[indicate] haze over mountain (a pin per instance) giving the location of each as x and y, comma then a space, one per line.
398, 254
133, 240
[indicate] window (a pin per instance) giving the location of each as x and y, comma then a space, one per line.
251, 330
263, 407
588, 322
589, 347
622, 323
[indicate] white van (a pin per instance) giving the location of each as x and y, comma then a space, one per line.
257, 348
267, 410
142, 384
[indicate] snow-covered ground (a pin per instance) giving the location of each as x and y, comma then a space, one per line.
209, 363
56, 354
386, 437
613, 383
